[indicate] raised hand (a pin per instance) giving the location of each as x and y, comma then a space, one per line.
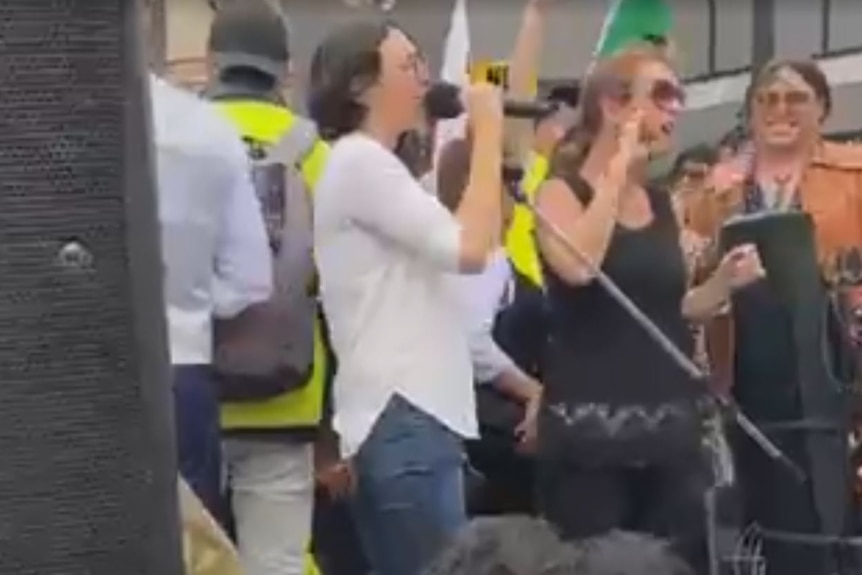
729, 175
741, 266
630, 147
526, 431
484, 106
336, 479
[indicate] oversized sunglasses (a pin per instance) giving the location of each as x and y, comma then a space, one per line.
661, 92
667, 92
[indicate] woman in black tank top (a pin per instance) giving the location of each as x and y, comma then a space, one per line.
620, 432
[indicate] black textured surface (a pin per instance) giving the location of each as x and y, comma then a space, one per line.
87, 482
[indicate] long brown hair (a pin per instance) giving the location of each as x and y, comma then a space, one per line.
453, 172
612, 77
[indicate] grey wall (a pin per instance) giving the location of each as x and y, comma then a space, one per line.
574, 28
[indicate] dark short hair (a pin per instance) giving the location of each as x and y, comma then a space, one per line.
733, 139
512, 545
808, 70
566, 94
701, 153
517, 545
620, 553
561, 96
343, 66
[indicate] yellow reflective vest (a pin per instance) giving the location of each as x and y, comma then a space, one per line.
520, 238
302, 408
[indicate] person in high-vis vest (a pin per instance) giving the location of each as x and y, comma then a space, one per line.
520, 240
269, 443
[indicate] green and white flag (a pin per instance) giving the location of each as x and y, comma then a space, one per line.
631, 21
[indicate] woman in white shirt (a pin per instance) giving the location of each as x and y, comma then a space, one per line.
403, 397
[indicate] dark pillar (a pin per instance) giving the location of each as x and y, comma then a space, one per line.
763, 32
88, 480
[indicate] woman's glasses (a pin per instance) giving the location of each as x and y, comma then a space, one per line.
694, 174
667, 92
663, 92
792, 100
415, 64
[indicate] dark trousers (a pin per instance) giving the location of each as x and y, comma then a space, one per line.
507, 485
775, 502
196, 410
666, 501
335, 541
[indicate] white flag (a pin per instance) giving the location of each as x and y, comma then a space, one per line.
456, 60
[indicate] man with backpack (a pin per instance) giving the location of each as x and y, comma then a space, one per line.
271, 360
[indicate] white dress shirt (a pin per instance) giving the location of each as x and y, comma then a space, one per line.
482, 296
385, 250
214, 246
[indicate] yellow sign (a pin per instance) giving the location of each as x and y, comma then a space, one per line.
494, 72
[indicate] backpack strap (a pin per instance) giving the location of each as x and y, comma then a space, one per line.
294, 146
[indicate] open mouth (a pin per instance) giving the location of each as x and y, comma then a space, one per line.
782, 125
667, 128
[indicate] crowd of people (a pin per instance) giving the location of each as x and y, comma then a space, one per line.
373, 344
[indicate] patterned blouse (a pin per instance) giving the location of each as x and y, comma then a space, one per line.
696, 250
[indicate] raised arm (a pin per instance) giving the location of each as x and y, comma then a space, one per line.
523, 71
587, 226
392, 203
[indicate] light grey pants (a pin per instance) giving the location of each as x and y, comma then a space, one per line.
272, 487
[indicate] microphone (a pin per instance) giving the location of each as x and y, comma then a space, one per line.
443, 102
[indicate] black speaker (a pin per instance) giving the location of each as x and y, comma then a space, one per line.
88, 480
786, 379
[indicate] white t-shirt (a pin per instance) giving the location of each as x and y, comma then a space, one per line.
385, 249
215, 251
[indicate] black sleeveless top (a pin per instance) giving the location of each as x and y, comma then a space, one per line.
612, 395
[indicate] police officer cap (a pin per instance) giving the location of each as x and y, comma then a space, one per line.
249, 34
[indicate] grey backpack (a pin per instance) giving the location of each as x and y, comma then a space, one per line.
268, 349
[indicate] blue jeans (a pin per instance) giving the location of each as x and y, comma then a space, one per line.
196, 412
409, 499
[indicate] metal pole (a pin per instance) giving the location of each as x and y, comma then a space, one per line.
763, 33
712, 48
663, 341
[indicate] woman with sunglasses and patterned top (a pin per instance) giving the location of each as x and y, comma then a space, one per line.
620, 431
